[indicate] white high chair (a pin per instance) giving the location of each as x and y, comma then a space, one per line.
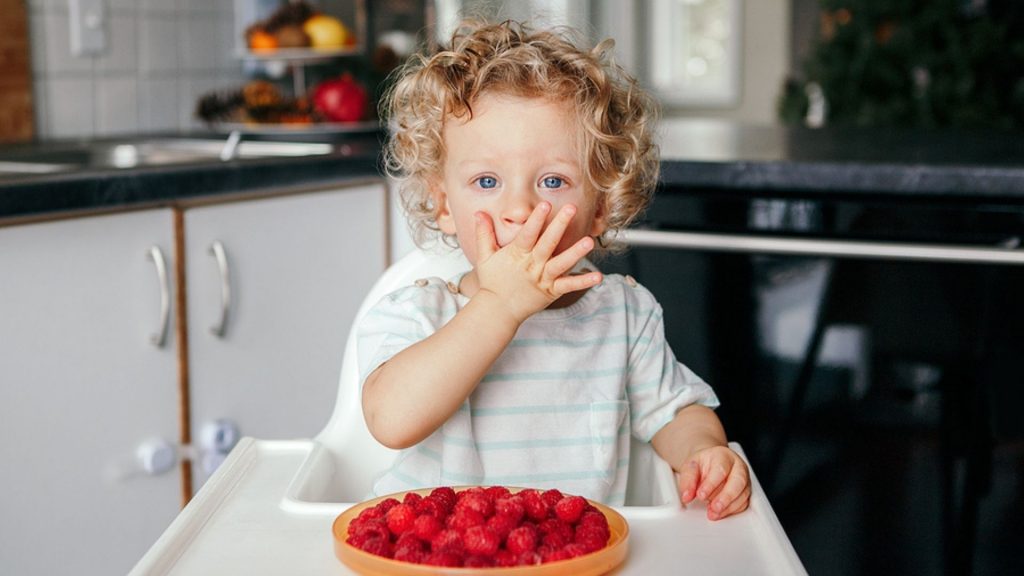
268, 509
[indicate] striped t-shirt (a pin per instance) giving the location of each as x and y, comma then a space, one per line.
557, 407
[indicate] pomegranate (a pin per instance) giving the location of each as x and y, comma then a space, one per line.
341, 99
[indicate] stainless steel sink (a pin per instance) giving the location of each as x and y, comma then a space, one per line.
137, 153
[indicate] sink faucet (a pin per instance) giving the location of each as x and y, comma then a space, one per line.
230, 150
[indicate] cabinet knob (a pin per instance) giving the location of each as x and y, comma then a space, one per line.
216, 439
157, 456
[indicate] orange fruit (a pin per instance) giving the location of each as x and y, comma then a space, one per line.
262, 41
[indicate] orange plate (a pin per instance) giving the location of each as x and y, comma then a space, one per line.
595, 563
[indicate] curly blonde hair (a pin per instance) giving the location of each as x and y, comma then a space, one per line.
615, 116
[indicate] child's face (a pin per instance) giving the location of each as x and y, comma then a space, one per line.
513, 154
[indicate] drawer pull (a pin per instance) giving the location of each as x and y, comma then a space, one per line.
217, 250
159, 337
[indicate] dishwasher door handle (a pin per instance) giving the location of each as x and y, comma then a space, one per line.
749, 243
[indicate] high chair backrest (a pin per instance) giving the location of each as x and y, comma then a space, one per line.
346, 434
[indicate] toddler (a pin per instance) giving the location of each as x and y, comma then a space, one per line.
532, 368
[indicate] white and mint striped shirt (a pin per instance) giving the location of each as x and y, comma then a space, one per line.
557, 407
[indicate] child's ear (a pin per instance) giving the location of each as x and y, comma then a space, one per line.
600, 224
442, 211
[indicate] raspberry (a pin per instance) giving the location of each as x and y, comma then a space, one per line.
411, 555
536, 508
506, 558
556, 526
593, 519
477, 502
502, 525
462, 520
495, 492
366, 515
445, 495
412, 499
554, 540
400, 519
522, 539
378, 546
510, 507
408, 540
375, 528
591, 537
481, 540
553, 554
387, 504
570, 508
447, 541
431, 506
425, 527
529, 558
478, 562
551, 497
443, 559
573, 550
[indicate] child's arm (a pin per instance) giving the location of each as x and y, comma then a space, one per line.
694, 444
414, 393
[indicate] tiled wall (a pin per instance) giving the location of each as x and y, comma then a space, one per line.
160, 56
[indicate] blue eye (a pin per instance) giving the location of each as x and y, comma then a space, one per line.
553, 182
487, 182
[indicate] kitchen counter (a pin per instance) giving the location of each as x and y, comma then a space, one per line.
104, 188
706, 155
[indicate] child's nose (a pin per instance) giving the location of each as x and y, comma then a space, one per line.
518, 207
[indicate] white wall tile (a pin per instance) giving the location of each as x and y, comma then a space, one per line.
122, 46
58, 45
70, 103
199, 43
37, 42
116, 105
158, 43
158, 104
39, 107
162, 6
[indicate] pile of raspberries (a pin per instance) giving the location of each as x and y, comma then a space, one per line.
480, 527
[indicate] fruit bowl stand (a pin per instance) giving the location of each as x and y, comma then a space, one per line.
261, 514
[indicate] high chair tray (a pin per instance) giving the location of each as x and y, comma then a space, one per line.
243, 522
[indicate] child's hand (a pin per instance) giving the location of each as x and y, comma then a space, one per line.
526, 275
718, 476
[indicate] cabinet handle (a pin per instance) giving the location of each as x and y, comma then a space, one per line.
217, 250
159, 337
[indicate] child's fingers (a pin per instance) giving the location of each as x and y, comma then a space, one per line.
567, 284
730, 490
735, 507
528, 234
563, 263
551, 236
486, 243
688, 479
713, 474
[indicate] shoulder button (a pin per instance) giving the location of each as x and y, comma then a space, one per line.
422, 282
631, 281
453, 288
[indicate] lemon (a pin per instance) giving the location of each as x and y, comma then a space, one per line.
326, 31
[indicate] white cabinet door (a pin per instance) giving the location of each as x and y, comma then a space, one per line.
298, 268
81, 386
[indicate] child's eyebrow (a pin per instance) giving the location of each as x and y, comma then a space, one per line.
488, 161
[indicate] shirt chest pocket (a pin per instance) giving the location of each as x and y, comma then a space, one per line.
606, 420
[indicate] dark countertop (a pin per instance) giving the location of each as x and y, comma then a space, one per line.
703, 155
953, 165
